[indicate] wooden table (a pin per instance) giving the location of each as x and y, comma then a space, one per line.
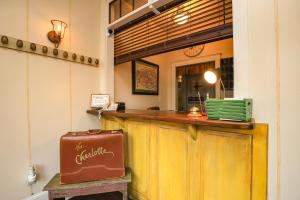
56, 190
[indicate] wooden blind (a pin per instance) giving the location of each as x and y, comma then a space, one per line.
190, 23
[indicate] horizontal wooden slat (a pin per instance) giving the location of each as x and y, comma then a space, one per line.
168, 23
173, 35
190, 27
159, 32
206, 36
167, 16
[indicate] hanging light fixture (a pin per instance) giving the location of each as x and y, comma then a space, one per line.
58, 32
181, 16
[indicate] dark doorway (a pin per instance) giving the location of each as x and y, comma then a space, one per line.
191, 85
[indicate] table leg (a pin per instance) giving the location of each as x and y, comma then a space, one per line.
50, 196
125, 197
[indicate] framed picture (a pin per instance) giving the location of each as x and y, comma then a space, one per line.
99, 100
145, 77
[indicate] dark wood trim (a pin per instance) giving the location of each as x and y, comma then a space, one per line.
210, 35
133, 3
120, 8
176, 117
109, 10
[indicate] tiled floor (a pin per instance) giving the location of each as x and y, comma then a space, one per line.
107, 196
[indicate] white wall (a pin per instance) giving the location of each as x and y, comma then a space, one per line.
123, 87
262, 77
106, 53
289, 88
43, 98
266, 44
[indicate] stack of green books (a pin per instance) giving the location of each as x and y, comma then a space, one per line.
235, 110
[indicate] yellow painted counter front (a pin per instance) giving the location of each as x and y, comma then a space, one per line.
173, 161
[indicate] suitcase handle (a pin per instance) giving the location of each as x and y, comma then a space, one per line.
99, 131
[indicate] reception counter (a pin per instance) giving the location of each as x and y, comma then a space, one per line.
176, 157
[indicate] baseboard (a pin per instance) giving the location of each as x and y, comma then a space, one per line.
38, 196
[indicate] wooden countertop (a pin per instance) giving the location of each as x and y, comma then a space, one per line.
177, 117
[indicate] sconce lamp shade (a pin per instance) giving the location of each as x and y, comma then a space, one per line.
58, 32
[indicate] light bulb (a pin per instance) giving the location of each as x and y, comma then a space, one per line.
210, 77
181, 19
58, 28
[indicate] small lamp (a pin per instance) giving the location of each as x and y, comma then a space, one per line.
58, 32
211, 76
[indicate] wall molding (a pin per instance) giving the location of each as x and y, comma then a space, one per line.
42, 50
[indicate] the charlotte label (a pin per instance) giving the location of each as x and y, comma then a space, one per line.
88, 154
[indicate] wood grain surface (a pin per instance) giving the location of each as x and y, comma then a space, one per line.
177, 117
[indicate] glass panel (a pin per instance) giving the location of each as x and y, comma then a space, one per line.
139, 3
228, 75
126, 7
114, 10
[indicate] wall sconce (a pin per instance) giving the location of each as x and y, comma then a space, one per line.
58, 32
211, 76
181, 16
179, 79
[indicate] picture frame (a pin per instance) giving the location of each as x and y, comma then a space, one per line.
145, 77
99, 100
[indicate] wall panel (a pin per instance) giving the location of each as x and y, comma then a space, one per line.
50, 113
171, 161
138, 141
13, 15
14, 152
85, 28
84, 82
225, 166
14, 129
58, 91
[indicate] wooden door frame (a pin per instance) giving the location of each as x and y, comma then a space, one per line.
202, 59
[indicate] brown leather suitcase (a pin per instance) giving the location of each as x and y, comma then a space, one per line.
91, 155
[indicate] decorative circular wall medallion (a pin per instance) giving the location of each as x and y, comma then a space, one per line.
33, 46
4, 39
90, 60
96, 61
45, 49
74, 56
55, 52
19, 43
65, 54
194, 50
81, 58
